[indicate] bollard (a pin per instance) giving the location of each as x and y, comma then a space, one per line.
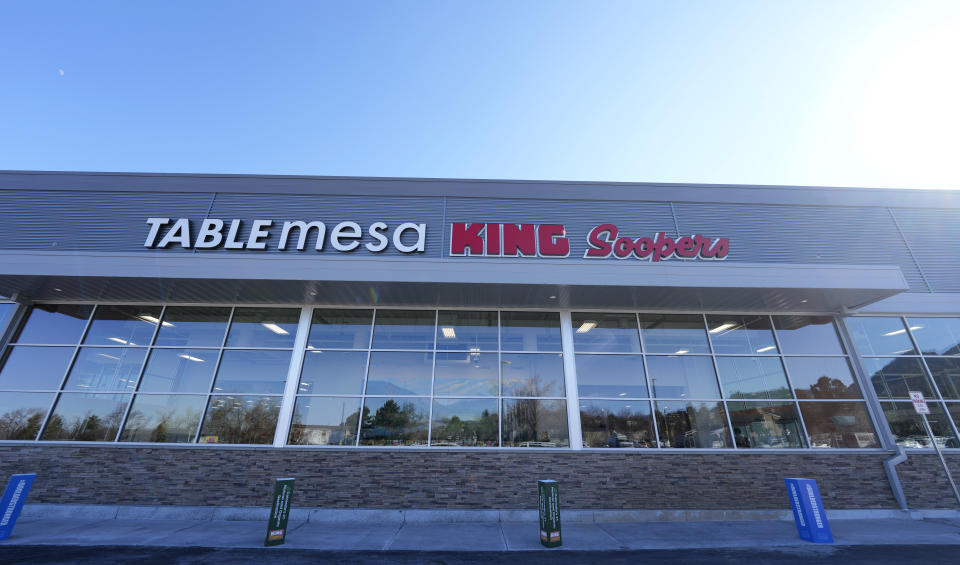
549, 513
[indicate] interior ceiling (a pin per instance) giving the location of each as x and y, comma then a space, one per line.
121, 289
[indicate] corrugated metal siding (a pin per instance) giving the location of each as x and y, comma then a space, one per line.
88, 221
331, 210
934, 238
804, 234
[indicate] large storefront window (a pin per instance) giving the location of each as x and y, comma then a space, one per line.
913, 354
447, 378
716, 381
147, 374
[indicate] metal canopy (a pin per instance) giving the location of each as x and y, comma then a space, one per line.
468, 282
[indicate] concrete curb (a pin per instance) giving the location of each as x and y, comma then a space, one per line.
423, 516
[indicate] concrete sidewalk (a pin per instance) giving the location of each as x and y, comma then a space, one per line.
472, 536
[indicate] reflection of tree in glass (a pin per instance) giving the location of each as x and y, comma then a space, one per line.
534, 423
88, 427
343, 433
22, 423
625, 428
238, 420
825, 387
395, 424
692, 426
454, 431
172, 426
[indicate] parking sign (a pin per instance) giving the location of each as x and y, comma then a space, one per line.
919, 403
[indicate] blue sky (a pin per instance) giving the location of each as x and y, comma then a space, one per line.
844, 93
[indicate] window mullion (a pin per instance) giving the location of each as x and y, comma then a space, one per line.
293, 377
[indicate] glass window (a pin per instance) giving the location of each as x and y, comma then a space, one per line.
35, 368
685, 424
907, 427
395, 421
838, 424
123, 325
22, 414
6, 312
946, 373
341, 329
319, 420
936, 336
263, 327
681, 376
953, 408
605, 333
333, 372
86, 417
753, 377
741, 334
193, 326
530, 331
765, 424
468, 331
400, 372
466, 374
611, 376
674, 333
252, 371
807, 335
404, 329
164, 418
106, 368
616, 423
55, 324
532, 374
240, 419
822, 377
179, 370
466, 422
880, 336
894, 377
535, 423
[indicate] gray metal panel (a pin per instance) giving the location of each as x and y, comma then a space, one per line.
82, 221
331, 210
804, 234
934, 238
917, 303
565, 190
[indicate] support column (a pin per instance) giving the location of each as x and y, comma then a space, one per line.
293, 378
570, 380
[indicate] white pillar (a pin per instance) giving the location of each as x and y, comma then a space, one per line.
570, 380
293, 378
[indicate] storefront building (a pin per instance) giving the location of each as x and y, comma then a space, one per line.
410, 343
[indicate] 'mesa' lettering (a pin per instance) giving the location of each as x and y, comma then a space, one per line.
344, 237
603, 241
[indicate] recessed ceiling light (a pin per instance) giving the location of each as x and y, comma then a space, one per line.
585, 327
722, 327
275, 328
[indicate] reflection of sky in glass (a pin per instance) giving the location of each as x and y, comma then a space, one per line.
467, 331
6, 311
880, 336
466, 409
247, 371
611, 376
404, 329
55, 324
608, 333
399, 373
319, 420
682, 377
37, 368
807, 376
811, 335
741, 334
753, 377
106, 368
333, 372
936, 336
123, 325
342, 329
466, 374
193, 326
674, 333
530, 331
263, 327
179, 370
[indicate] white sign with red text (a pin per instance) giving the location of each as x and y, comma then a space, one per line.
919, 402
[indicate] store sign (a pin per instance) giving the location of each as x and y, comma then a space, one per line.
279, 512
552, 241
214, 233
466, 239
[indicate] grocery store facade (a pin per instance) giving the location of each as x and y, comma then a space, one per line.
441, 344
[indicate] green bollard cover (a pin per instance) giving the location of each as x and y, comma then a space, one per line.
549, 513
277, 528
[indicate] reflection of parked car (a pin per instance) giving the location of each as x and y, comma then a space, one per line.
538, 444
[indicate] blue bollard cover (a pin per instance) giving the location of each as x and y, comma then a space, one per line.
12, 502
808, 511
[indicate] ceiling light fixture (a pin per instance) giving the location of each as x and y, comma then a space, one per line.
275, 328
118, 340
585, 327
448, 332
722, 327
191, 358
767, 348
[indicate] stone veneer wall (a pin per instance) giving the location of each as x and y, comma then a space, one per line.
332, 478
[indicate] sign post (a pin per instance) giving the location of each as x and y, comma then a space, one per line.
280, 512
12, 502
920, 405
549, 513
808, 511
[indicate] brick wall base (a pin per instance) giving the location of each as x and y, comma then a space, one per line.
328, 478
